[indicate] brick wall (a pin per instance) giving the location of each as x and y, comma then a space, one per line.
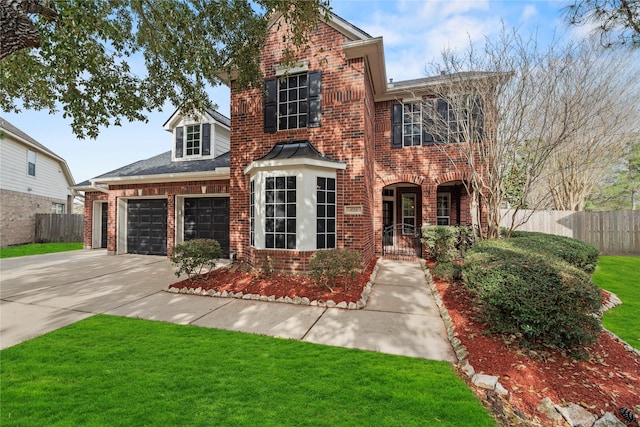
166, 190
425, 166
345, 135
18, 215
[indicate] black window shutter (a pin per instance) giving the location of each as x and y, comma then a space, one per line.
478, 118
206, 139
396, 125
314, 81
271, 105
179, 143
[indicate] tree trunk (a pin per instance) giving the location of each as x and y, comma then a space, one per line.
17, 31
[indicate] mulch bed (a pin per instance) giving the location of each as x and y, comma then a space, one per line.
235, 280
608, 380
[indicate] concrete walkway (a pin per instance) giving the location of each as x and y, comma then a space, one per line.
41, 293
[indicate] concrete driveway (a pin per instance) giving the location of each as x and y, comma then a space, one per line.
42, 293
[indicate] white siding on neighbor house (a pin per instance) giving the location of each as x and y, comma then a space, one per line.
222, 137
50, 180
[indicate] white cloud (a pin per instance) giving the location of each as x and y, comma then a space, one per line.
528, 12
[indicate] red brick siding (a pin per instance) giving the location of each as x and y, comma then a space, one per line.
344, 135
161, 190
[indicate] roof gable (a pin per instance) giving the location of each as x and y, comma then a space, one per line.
21, 137
207, 115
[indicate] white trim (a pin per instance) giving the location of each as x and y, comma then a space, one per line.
295, 162
96, 232
216, 174
298, 67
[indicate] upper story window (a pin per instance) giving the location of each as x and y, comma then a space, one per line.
293, 101
432, 121
31, 163
192, 144
193, 140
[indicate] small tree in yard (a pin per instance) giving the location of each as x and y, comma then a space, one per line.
193, 257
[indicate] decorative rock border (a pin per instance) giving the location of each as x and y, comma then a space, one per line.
574, 415
361, 303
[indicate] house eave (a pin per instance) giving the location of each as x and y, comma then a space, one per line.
372, 50
217, 174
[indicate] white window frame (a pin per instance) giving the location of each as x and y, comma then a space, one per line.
404, 216
415, 114
447, 197
31, 160
186, 140
298, 102
57, 208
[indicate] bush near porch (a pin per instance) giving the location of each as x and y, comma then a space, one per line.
536, 289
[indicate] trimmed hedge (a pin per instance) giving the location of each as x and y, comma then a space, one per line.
579, 254
526, 292
447, 271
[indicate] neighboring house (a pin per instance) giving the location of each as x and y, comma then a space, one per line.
327, 155
33, 179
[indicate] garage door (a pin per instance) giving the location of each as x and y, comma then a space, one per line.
147, 227
207, 218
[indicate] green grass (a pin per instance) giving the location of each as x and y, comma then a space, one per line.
621, 275
38, 249
109, 370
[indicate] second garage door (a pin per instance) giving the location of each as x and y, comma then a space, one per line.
207, 218
147, 227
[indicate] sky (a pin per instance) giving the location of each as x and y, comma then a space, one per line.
414, 34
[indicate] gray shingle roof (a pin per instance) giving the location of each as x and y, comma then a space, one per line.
295, 149
162, 164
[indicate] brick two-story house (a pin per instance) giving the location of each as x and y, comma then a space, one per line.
328, 154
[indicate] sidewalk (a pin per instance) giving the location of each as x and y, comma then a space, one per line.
400, 317
46, 292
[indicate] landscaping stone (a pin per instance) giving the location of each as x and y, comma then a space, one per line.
224, 294
264, 298
305, 301
352, 306
547, 407
576, 415
501, 390
485, 381
296, 300
341, 304
288, 300
313, 303
468, 369
331, 303
271, 298
609, 420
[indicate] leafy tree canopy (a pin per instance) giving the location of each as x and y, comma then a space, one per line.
103, 61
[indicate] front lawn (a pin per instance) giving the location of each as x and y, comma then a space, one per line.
109, 370
621, 275
38, 249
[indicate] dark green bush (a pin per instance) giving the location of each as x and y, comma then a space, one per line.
440, 241
540, 299
579, 254
194, 256
447, 271
326, 266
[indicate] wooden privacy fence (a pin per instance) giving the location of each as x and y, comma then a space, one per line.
616, 232
58, 228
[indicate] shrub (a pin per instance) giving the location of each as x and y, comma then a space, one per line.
579, 254
538, 298
447, 271
440, 241
326, 266
193, 256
